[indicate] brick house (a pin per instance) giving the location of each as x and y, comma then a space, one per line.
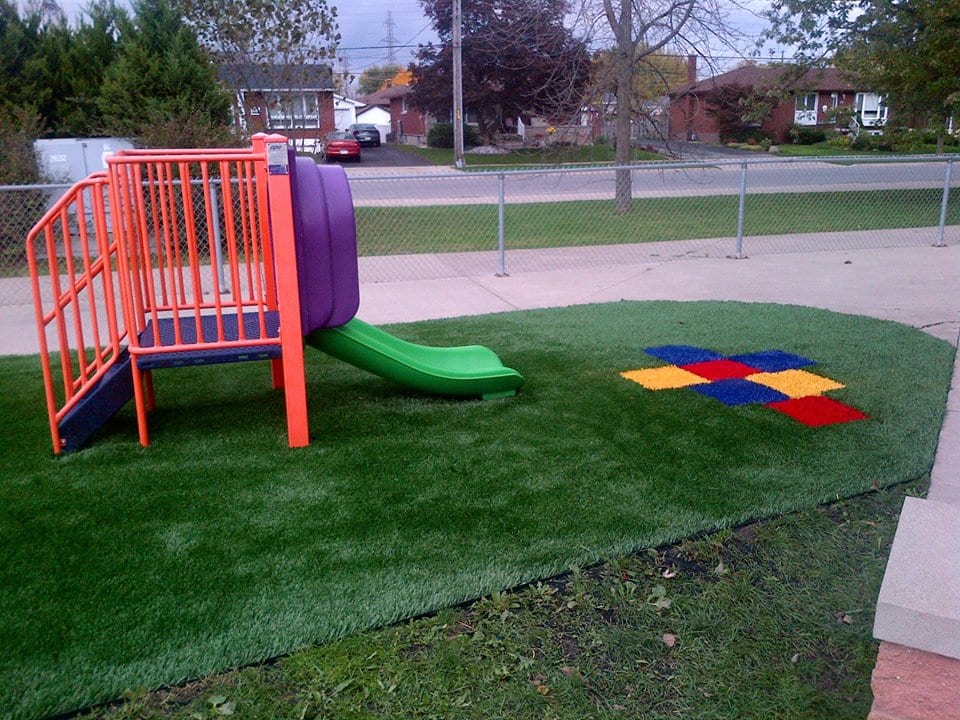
815, 99
407, 123
295, 100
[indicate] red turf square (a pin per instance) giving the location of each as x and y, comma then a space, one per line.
818, 410
720, 369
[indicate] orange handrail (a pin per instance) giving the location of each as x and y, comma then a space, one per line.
148, 249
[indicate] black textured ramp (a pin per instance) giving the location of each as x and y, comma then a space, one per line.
99, 405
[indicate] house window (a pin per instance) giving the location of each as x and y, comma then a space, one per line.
805, 110
403, 105
871, 109
292, 110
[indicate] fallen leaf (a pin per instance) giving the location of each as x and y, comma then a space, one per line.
669, 639
543, 689
669, 573
795, 658
569, 671
721, 569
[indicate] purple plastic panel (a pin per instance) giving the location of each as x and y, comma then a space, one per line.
314, 266
343, 245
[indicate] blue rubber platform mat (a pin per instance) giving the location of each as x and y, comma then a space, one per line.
208, 328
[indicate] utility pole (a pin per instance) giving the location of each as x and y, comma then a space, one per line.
457, 88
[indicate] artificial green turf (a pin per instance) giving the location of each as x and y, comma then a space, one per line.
218, 546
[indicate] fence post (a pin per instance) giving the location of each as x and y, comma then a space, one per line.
501, 229
943, 205
217, 239
738, 254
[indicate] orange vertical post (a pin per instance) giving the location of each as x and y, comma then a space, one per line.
277, 164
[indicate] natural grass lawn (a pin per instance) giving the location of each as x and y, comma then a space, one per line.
530, 157
218, 546
826, 150
457, 228
769, 620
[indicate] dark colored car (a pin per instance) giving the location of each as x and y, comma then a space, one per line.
368, 135
341, 145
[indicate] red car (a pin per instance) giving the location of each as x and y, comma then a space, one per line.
341, 146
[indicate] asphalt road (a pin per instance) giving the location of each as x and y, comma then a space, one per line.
426, 186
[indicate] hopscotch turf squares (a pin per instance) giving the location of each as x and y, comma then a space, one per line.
773, 378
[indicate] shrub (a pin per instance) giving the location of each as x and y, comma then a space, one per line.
441, 136
19, 209
805, 135
750, 135
839, 140
866, 141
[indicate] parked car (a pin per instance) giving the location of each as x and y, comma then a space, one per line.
368, 135
341, 145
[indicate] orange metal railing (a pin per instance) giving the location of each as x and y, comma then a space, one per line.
202, 245
72, 259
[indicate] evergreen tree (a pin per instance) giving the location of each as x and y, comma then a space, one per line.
162, 89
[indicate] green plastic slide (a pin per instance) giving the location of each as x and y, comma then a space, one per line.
471, 370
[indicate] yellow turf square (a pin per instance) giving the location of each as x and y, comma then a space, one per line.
664, 378
796, 383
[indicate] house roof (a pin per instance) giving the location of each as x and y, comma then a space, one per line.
368, 109
780, 77
254, 76
341, 100
383, 97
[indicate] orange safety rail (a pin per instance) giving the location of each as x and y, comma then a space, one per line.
173, 210
172, 257
198, 271
72, 260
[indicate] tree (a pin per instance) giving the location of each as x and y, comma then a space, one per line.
19, 37
18, 165
642, 29
373, 78
66, 72
518, 58
905, 49
281, 40
264, 31
654, 76
162, 88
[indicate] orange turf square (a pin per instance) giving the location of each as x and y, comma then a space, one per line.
667, 377
722, 369
817, 411
796, 383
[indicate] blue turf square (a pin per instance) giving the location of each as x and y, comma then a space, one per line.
682, 354
773, 360
737, 391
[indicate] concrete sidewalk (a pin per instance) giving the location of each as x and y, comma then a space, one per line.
919, 606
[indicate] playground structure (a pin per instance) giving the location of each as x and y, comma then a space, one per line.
174, 258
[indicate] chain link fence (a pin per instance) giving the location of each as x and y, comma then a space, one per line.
415, 225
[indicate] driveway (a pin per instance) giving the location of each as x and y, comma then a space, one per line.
387, 156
